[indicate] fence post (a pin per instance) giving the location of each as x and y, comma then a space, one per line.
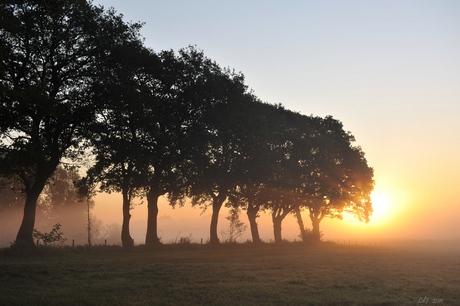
73, 242
105, 242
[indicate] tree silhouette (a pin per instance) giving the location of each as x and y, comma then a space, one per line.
198, 103
48, 51
336, 178
236, 228
218, 162
86, 192
181, 92
290, 145
258, 159
117, 134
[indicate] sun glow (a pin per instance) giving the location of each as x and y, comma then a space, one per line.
384, 210
381, 203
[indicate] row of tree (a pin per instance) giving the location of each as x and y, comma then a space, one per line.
77, 80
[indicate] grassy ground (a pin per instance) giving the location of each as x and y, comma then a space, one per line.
289, 274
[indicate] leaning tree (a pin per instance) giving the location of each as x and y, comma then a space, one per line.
49, 51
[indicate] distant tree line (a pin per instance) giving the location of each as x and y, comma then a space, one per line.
75, 79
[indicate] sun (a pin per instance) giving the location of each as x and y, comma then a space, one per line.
381, 203
387, 204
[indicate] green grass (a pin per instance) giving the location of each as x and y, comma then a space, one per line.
288, 274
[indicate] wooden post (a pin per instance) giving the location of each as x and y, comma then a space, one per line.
73, 242
105, 242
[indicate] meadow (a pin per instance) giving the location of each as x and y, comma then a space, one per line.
234, 274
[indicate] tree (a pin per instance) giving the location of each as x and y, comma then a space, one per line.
86, 193
180, 94
219, 160
290, 147
336, 177
59, 198
199, 104
304, 233
61, 203
118, 133
258, 159
49, 51
236, 228
116, 172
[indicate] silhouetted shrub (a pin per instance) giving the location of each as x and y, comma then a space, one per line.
53, 238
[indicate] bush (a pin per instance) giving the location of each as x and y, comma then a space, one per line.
309, 237
53, 238
183, 240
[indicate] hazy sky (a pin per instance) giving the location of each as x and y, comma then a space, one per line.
389, 70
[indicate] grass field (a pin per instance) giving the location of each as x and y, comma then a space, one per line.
269, 274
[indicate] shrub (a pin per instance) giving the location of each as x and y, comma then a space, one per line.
53, 238
309, 237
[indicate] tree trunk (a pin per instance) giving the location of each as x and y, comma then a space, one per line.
216, 205
24, 238
252, 215
316, 233
303, 233
277, 220
89, 220
126, 240
151, 238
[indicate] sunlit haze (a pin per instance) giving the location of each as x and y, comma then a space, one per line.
389, 70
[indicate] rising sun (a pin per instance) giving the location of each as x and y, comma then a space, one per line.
381, 203
384, 209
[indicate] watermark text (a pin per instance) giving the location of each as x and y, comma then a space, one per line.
426, 300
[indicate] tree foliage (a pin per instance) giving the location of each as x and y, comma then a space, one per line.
49, 51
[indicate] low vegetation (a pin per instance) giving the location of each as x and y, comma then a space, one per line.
233, 274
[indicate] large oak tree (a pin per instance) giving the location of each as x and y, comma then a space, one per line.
49, 51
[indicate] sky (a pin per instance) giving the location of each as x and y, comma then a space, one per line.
388, 70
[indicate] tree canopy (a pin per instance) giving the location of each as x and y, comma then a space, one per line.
49, 53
